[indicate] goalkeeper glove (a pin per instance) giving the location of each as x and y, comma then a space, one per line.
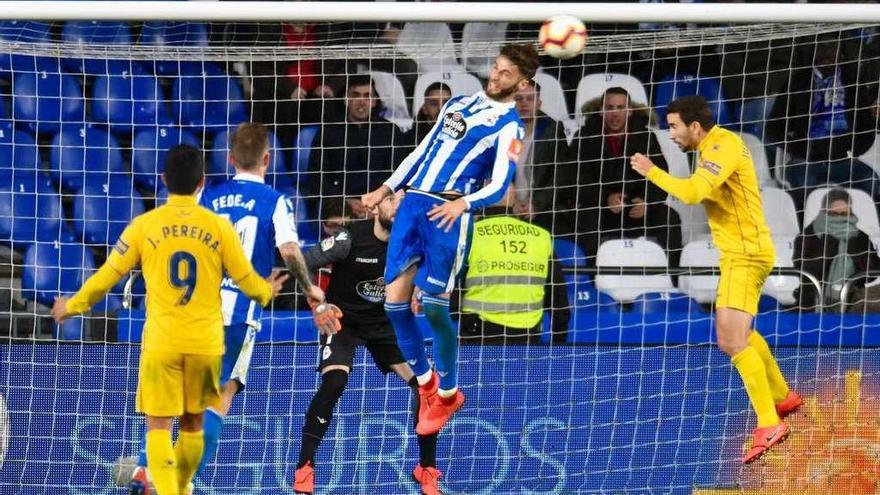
326, 317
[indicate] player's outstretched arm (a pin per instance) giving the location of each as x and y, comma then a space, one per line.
296, 263
373, 198
691, 190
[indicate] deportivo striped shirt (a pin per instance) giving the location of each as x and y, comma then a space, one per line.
474, 140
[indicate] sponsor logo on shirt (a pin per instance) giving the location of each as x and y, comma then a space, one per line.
366, 260
454, 125
372, 290
515, 149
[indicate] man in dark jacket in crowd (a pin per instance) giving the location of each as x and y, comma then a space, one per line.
436, 95
834, 250
612, 200
354, 153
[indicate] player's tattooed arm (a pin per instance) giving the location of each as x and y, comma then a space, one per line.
296, 264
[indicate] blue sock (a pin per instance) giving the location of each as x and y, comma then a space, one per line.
409, 339
212, 428
445, 339
142, 453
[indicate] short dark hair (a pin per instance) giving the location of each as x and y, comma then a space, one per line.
836, 194
693, 108
248, 143
437, 86
184, 169
524, 56
360, 80
616, 90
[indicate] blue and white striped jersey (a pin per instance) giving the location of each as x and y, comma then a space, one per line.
263, 219
475, 138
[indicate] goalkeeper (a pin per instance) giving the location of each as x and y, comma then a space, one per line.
726, 183
183, 250
357, 286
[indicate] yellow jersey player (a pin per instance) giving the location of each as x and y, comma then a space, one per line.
183, 250
726, 183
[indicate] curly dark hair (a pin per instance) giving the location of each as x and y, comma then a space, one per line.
524, 56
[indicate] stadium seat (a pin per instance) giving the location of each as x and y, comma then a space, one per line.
759, 157
102, 208
594, 85
583, 296
127, 100
766, 304
782, 287
665, 302
699, 254
18, 149
26, 31
631, 253
148, 152
676, 86
301, 153
277, 176
81, 152
872, 156
694, 223
479, 46
678, 161
54, 268
309, 229
460, 83
96, 33
569, 253
30, 209
171, 34
430, 44
210, 101
393, 96
553, 102
780, 213
43, 101
862, 206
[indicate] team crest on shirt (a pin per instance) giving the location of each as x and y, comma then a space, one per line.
328, 243
454, 125
712, 167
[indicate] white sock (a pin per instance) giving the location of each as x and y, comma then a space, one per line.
425, 377
447, 393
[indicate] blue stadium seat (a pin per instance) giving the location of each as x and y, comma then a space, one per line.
148, 152
675, 86
103, 208
665, 302
25, 31
277, 176
96, 33
42, 101
583, 295
210, 102
569, 253
129, 99
309, 229
81, 152
25, 198
302, 152
18, 149
54, 268
175, 34
766, 304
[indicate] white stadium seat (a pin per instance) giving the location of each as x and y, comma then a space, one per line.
701, 254
862, 206
677, 160
430, 44
631, 253
479, 45
594, 86
393, 97
553, 102
872, 156
694, 224
782, 287
759, 157
460, 83
780, 213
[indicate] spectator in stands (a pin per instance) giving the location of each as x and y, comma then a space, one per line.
436, 95
355, 152
823, 119
834, 250
504, 302
612, 199
544, 149
333, 216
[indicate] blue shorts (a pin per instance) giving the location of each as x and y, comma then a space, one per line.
416, 240
235, 336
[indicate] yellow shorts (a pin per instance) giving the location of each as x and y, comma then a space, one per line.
170, 384
742, 279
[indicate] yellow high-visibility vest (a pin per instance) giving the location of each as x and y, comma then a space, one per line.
508, 267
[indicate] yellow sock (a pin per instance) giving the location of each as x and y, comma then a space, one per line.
778, 386
751, 370
161, 462
189, 448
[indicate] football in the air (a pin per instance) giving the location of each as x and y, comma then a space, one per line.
563, 36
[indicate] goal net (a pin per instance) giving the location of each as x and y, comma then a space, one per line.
631, 395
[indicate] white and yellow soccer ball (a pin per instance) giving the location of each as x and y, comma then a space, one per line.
563, 36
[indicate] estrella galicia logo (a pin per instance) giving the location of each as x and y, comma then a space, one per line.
372, 290
454, 125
